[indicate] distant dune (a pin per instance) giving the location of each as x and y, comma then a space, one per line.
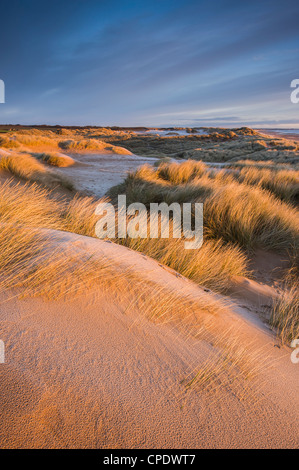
91, 372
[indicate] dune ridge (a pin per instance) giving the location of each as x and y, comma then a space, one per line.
120, 378
137, 343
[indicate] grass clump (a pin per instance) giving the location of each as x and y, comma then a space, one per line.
36, 261
92, 145
234, 211
229, 366
212, 265
179, 173
251, 217
8, 142
79, 215
283, 183
27, 167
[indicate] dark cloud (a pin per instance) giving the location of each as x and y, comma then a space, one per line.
129, 62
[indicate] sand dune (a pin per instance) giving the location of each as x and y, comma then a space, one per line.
89, 372
106, 347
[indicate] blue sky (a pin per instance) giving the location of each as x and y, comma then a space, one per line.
159, 63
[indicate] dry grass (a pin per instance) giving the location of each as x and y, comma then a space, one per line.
37, 139
79, 215
212, 265
229, 366
27, 167
267, 165
251, 217
32, 260
179, 173
31, 140
30, 205
285, 313
85, 144
35, 206
91, 145
29, 257
55, 159
8, 142
282, 183
32, 263
235, 212
281, 180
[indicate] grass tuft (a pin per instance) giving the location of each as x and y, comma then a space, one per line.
285, 314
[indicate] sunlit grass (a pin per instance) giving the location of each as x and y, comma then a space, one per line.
285, 313
55, 159
27, 167
233, 211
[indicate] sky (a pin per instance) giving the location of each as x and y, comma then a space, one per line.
150, 63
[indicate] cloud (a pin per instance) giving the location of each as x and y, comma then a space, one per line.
124, 61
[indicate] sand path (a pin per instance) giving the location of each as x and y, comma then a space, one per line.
94, 173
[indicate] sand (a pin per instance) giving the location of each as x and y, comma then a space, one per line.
88, 373
285, 134
94, 174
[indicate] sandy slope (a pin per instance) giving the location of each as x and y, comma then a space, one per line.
87, 372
